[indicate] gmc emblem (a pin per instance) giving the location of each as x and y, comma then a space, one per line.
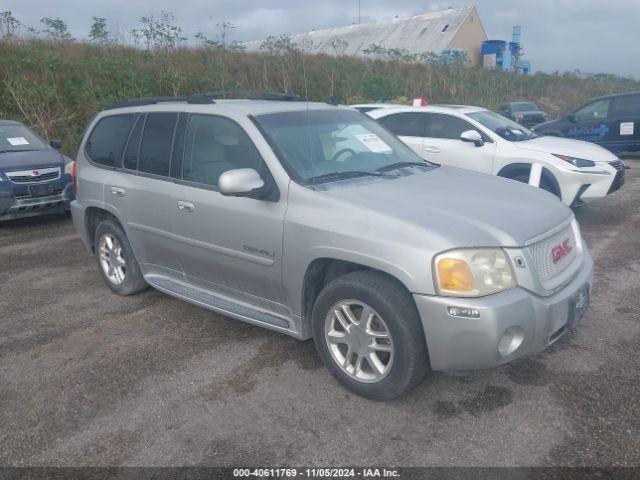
36, 173
560, 251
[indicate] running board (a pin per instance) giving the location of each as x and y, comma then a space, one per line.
221, 305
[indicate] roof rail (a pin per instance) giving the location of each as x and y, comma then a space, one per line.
208, 98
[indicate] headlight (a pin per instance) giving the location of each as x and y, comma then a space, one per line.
576, 162
473, 272
519, 116
68, 168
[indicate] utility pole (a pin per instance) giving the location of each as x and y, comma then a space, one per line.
358, 12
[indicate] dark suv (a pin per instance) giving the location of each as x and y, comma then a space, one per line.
612, 122
35, 178
526, 114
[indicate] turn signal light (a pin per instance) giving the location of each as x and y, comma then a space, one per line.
454, 275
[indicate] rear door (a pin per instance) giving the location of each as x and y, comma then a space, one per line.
442, 144
227, 244
141, 192
409, 127
625, 123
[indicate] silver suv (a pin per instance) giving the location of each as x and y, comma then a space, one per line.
315, 221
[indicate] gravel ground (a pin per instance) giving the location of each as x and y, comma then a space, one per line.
90, 378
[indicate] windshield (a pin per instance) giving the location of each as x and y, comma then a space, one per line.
18, 138
507, 129
323, 145
524, 107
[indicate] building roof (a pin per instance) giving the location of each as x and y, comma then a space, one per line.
429, 32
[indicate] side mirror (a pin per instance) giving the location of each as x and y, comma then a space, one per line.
242, 182
472, 136
573, 118
55, 143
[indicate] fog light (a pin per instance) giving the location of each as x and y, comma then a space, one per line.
463, 312
511, 340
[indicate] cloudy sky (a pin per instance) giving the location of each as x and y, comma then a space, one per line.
589, 35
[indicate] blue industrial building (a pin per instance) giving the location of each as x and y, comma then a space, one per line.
505, 55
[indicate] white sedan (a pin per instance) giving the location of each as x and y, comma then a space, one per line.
478, 139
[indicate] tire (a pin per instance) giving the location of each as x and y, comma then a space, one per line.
545, 184
129, 279
393, 311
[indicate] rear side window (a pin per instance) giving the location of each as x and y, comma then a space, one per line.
447, 126
408, 124
157, 142
215, 145
133, 147
628, 106
107, 140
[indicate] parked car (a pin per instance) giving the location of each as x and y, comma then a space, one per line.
315, 221
527, 114
477, 139
612, 122
368, 107
35, 178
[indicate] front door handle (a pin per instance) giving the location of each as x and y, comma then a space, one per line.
186, 207
118, 191
431, 149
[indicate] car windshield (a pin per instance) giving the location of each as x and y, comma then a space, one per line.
507, 129
524, 107
323, 145
18, 138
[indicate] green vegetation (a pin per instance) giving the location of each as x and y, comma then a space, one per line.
57, 84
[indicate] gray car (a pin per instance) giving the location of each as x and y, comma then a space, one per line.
317, 222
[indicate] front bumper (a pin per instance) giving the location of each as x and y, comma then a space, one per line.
16, 202
457, 344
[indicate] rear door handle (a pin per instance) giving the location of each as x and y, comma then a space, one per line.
431, 149
186, 207
118, 191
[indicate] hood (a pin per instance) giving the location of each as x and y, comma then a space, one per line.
529, 113
460, 208
28, 160
568, 147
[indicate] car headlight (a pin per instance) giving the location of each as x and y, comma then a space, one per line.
68, 168
576, 162
473, 272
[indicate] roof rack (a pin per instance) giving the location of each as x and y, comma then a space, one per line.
208, 98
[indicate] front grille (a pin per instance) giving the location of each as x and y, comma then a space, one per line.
27, 196
34, 176
542, 253
618, 180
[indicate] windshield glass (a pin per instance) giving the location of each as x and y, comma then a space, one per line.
321, 145
524, 107
18, 138
507, 129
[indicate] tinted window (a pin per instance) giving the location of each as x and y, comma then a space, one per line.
106, 143
133, 147
447, 126
627, 106
157, 141
524, 107
408, 124
215, 145
597, 110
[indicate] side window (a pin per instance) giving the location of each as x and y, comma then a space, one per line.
597, 110
108, 138
157, 141
133, 146
214, 145
628, 106
447, 126
407, 124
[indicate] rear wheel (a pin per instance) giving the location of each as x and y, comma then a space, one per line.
116, 261
368, 332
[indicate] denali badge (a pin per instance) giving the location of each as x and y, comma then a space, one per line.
560, 251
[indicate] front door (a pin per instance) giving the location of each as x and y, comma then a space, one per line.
443, 145
591, 123
408, 127
230, 245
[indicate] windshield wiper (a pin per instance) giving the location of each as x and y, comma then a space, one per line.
347, 174
395, 166
17, 151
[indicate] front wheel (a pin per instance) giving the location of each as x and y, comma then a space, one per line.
545, 184
368, 332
